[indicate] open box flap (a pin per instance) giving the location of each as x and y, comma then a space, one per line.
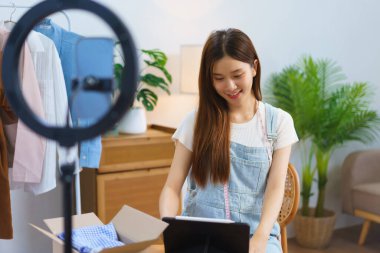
56, 225
48, 234
134, 226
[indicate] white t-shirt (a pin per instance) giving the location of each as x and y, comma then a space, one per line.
249, 133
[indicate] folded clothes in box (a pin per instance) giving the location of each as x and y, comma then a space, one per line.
93, 239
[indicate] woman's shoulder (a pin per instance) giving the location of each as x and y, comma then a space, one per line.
280, 113
190, 117
286, 133
188, 122
284, 121
184, 132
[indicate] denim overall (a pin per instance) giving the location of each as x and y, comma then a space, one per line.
248, 178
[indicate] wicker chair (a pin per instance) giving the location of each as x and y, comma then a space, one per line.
289, 204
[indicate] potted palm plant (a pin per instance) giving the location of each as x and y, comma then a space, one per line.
134, 122
327, 113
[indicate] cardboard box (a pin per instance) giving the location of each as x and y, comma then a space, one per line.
135, 228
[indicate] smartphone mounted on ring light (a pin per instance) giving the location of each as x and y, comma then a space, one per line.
92, 84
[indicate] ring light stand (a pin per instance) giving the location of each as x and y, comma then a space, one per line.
67, 136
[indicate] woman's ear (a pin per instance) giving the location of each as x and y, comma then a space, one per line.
254, 67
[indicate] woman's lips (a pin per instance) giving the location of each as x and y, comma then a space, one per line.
234, 95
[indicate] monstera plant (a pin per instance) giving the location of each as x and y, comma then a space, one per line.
150, 81
153, 77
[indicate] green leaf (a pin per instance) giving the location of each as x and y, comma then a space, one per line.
155, 81
148, 99
162, 68
118, 70
157, 56
346, 118
157, 59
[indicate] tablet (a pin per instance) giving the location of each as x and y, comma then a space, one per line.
193, 234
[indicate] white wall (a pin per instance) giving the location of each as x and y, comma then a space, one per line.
343, 30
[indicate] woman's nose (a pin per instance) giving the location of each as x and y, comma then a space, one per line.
231, 85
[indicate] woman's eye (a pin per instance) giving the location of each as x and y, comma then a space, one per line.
238, 76
218, 78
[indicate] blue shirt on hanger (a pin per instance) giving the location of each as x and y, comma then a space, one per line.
65, 42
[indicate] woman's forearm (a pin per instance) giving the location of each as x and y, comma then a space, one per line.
271, 207
274, 192
171, 193
169, 202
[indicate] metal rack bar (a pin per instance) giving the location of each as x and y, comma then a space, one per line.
28, 7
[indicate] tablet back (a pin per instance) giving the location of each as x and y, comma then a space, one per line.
182, 236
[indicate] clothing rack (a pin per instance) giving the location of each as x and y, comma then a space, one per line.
28, 7
77, 175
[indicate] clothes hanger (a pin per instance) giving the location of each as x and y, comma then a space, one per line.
10, 18
15, 7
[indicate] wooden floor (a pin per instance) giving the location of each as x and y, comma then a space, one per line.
345, 241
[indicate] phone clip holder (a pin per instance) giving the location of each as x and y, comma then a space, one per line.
92, 83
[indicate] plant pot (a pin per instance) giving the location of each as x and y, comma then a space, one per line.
134, 121
313, 232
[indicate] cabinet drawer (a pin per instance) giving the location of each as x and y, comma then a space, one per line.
155, 149
138, 189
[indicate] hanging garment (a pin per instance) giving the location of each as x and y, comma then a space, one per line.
54, 97
65, 42
7, 117
29, 147
10, 130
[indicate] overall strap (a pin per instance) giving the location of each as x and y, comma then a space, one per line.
271, 123
269, 138
191, 185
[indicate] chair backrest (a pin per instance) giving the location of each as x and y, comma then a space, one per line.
358, 167
291, 197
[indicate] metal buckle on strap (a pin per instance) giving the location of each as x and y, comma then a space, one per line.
272, 136
278, 237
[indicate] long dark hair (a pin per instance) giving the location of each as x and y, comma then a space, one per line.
211, 155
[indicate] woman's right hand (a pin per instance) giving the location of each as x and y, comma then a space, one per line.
258, 243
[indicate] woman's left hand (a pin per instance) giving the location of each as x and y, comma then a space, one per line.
258, 244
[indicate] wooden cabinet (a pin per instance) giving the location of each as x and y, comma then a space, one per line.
133, 170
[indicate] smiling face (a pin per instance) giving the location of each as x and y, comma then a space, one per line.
233, 80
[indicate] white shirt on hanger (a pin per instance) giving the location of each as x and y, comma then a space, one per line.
54, 96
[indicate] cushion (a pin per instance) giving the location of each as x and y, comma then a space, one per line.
367, 197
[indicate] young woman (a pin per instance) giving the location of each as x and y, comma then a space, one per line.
234, 150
